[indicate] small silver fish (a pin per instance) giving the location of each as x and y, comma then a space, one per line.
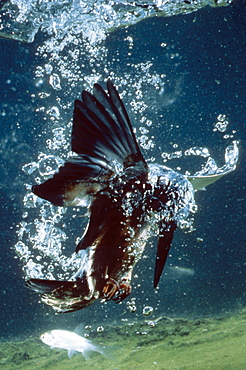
70, 341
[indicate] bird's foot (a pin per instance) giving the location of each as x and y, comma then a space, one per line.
117, 291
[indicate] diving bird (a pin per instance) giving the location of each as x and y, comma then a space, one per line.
127, 198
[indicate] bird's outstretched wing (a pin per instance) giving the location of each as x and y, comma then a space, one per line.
103, 138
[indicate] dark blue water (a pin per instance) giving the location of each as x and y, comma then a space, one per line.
209, 49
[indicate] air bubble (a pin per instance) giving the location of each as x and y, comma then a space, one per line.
30, 201
197, 151
199, 240
100, 329
151, 324
222, 123
48, 165
54, 113
147, 310
50, 268
55, 81
48, 68
29, 168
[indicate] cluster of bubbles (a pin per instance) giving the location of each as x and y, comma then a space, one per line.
131, 305
46, 165
193, 151
222, 123
21, 19
41, 241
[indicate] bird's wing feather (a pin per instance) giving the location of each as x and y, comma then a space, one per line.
103, 138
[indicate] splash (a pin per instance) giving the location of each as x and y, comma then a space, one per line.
22, 19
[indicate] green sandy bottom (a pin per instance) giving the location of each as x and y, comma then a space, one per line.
161, 344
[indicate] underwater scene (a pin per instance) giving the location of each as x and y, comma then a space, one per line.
123, 184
